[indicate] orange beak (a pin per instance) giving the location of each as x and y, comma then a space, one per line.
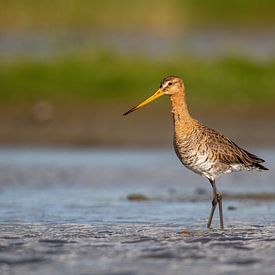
156, 95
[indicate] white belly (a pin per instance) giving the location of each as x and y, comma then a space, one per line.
203, 166
200, 163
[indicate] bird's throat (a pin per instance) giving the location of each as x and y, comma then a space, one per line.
179, 108
183, 122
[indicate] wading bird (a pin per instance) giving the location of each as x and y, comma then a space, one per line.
199, 148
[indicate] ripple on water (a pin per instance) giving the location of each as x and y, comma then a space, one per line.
68, 213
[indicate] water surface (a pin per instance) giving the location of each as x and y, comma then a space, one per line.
66, 212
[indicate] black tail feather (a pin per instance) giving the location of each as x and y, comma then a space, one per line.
254, 157
259, 166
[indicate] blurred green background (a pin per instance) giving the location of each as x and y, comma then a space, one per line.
69, 69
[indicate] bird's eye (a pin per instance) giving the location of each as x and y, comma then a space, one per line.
170, 83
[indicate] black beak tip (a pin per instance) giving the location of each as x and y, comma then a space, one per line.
128, 112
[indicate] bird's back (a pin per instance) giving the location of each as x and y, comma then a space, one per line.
209, 153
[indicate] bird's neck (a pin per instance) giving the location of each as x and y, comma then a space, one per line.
183, 122
179, 108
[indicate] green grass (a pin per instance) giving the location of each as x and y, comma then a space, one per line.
106, 77
76, 15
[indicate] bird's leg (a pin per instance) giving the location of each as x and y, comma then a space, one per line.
214, 203
217, 198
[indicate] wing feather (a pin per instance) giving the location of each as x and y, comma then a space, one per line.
228, 152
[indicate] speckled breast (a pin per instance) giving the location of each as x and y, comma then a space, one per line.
195, 155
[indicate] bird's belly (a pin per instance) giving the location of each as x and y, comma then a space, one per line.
199, 162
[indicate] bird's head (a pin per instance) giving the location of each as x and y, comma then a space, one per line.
170, 85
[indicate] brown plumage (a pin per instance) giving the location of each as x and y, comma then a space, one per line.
199, 148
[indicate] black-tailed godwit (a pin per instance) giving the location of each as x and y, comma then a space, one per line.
200, 148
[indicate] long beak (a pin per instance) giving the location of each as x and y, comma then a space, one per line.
156, 95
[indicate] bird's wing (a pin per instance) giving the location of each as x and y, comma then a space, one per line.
229, 152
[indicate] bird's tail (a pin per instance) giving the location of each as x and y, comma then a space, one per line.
256, 161
259, 166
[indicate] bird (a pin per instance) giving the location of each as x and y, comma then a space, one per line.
200, 148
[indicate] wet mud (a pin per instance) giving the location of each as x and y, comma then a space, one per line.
135, 249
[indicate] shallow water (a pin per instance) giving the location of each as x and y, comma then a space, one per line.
66, 212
